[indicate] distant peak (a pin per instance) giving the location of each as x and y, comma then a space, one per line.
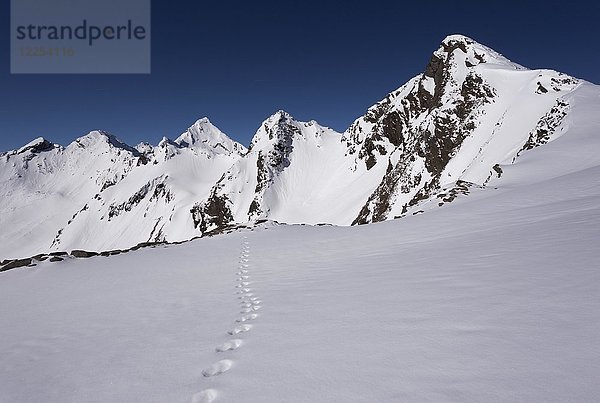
282, 113
278, 117
280, 125
205, 135
203, 121
198, 133
165, 142
98, 135
144, 148
99, 138
38, 145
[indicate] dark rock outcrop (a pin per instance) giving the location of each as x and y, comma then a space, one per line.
433, 142
83, 253
13, 264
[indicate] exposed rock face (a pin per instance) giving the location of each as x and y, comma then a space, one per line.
274, 159
13, 264
83, 254
156, 188
546, 126
418, 130
421, 126
214, 213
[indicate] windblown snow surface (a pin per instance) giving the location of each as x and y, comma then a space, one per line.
493, 297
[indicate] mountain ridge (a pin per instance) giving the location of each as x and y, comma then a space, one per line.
449, 129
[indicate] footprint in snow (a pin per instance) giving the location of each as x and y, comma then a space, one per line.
246, 318
206, 396
248, 310
229, 345
240, 329
218, 368
244, 291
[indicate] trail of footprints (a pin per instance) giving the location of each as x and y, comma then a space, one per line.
250, 304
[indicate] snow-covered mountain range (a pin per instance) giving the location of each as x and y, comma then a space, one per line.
488, 297
450, 129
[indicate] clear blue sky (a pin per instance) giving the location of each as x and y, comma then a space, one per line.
238, 62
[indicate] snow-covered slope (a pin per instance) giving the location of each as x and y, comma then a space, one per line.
492, 298
452, 129
101, 194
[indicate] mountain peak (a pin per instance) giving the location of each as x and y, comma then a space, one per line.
204, 135
457, 37
470, 52
457, 40
100, 138
165, 142
283, 114
203, 120
280, 126
277, 117
36, 146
